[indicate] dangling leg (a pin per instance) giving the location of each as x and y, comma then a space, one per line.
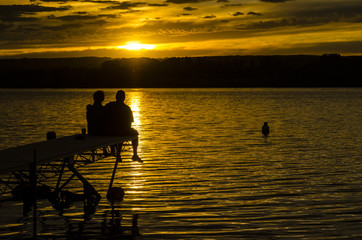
135, 156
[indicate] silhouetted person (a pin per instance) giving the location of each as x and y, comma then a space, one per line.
265, 129
96, 115
120, 118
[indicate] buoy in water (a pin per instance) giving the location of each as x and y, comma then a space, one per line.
265, 129
115, 194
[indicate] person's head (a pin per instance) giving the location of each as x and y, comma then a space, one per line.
265, 123
98, 96
120, 96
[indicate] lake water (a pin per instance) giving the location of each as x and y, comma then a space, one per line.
208, 172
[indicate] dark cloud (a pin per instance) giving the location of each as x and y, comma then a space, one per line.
13, 13
98, 22
32, 8
238, 14
254, 13
275, 23
342, 11
5, 26
186, 1
275, 1
64, 27
210, 17
126, 5
61, 1
174, 28
97, 1
108, 15
73, 17
158, 5
189, 9
232, 5
26, 29
311, 14
291, 22
343, 47
13, 18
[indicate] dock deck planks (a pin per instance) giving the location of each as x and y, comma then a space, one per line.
18, 158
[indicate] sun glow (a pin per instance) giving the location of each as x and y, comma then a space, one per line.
137, 46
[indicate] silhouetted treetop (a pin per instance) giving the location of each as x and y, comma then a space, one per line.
328, 70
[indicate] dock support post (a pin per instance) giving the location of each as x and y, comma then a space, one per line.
91, 196
118, 159
60, 177
33, 182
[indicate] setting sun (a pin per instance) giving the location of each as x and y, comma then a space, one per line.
137, 46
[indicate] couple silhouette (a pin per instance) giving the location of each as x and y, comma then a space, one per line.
113, 119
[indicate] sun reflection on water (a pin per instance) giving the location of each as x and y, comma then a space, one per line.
134, 103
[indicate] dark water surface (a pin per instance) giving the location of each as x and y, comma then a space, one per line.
208, 172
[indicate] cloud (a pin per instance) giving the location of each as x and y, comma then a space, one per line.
12, 13
158, 5
64, 27
32, 8
81, 12
254, 13
165, 29
275, 1
238, 14
189, 9
272, 24
341, 11
97, 1
232, 5
108, 15
210, 17
187, 1
126, 5
286, 22
343, 47
4, 26
61, 1
73, 17
307, 14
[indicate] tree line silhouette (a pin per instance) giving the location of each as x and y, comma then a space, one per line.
328, 70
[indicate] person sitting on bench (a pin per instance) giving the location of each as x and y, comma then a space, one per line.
95, 115
119, 121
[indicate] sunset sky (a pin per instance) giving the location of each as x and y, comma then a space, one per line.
167, 28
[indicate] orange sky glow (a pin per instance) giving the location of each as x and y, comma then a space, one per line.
169, 28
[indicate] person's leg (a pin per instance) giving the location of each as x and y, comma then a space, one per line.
135, 156
135, 146
113, 150
105, 152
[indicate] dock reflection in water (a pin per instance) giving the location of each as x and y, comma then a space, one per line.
208, 171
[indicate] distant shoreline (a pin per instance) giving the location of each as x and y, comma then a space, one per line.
294, 71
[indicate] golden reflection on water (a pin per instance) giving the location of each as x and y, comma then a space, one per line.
136, 177
209, 174
134, 99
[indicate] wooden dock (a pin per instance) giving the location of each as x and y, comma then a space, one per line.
24, 168
19, 158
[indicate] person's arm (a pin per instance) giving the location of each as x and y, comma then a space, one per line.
131, 119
